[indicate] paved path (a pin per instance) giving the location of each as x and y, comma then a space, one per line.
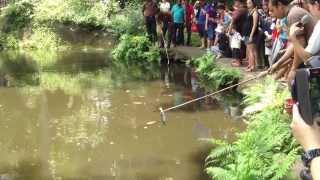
187, 52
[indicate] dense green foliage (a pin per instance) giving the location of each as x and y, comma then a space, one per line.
258, 96
31, 23
135, 50
266, 150
129, 21
86, 13
215, 76
20, 28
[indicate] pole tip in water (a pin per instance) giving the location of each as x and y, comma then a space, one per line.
162, 116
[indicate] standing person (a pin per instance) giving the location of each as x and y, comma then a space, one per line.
165, 22
223, 21
265, 25
313, 47
235, 46
149, 10
189, 17
200, 21
239, 17
210, 25
251, 34
178, 15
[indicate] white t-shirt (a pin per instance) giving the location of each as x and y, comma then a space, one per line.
235, 41
314, 42
164, 7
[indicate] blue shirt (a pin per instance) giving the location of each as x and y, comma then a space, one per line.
212, 14
177, 12
202, 16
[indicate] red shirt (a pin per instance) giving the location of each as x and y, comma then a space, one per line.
189, 12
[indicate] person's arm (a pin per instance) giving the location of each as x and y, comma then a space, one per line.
185, 15
315, 166
207, 19
172, 11
300, 51
230, 26
288, 54
255, 25
143, 8
308, 137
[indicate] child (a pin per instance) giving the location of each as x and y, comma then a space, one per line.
235, 46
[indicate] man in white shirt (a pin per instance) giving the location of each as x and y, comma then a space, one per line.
313, 47
164, 21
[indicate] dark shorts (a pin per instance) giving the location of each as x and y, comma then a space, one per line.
210, 33
254, 40
236, 53
201, 30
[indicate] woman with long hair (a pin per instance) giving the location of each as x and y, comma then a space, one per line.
251, 33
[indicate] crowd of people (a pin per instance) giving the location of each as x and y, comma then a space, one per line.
255, 33
280, 36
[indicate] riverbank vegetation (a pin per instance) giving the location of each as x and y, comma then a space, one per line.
32, 24
213, 75
135, 50
266, 149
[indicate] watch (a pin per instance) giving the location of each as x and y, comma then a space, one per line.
309, 155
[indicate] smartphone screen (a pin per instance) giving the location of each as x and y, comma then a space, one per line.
315, 93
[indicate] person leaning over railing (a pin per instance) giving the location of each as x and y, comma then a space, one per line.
313, 47
292, 14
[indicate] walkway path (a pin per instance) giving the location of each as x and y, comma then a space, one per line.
187, 52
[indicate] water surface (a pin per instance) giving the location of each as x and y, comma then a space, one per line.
77, 116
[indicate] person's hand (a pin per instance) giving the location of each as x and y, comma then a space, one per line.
250, 40
307, 136
206, 28
294, 29
273, 68
291, 76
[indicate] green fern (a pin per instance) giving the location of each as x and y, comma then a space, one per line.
214, 76
219, 174
266, 150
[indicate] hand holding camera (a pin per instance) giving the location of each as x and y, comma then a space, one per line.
306, 116
308, 136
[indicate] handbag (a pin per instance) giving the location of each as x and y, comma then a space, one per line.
194, 27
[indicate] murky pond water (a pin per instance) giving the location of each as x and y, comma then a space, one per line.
83, 118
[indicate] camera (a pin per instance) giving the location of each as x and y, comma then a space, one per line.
305, 90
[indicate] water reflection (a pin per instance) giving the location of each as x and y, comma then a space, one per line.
181, 82
90, 120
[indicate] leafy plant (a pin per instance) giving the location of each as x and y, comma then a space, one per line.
47, 37
17, 16
135, 50
266, 150
215, 76
80, 12
129, 21
257, 97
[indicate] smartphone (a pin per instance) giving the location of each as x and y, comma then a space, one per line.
315, 93
306, 91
